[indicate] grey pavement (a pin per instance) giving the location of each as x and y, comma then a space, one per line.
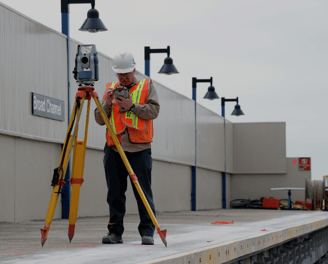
20, 242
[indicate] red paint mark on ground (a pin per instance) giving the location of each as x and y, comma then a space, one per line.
222, 223
264, 230
17, 252
86, 245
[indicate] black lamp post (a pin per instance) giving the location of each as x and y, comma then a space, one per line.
91, 24
237, 112
168, 67
211, 94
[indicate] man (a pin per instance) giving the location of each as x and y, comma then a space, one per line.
131, 119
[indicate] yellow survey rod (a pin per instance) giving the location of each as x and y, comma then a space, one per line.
77, 176
62, 172
133, 177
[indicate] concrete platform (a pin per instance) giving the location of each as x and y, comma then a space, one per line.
191, 237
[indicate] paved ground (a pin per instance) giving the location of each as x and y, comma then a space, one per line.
20, 242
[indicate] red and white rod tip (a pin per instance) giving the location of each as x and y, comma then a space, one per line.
162, 234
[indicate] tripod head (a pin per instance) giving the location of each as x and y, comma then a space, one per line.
86, 71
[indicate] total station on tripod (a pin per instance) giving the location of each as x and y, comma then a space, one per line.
86, 70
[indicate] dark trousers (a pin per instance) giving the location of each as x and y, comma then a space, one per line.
116, 177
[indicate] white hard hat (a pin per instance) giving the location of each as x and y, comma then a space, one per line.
123, 63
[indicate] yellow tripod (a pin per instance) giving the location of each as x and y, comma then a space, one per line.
85, 93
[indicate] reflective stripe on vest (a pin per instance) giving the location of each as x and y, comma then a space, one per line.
118, 127
139, 95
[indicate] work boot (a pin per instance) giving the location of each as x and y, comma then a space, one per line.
147, 240
112, 239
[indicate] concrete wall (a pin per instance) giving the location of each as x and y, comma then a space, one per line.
26, 169
93, 192
259, 148
257, 186
171, 184
209, 189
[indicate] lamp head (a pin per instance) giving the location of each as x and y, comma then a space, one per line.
93, 23
211, 94
237, 111
168, 67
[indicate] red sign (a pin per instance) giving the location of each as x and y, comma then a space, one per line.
304, 164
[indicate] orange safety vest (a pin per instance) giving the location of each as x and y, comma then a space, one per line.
140, 130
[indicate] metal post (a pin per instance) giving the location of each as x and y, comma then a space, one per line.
194, 168
66, 190
224, 174
147, 61
224, 201
289, 200
147, 68
148, 51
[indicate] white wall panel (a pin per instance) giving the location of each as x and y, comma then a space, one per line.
32, 61
174, 133
35, 162
259, 148
171, 185
7, 179
209, 189
210, 140
93, 193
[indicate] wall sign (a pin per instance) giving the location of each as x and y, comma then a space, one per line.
48, 107
304, 164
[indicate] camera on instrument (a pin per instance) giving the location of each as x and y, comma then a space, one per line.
86, 70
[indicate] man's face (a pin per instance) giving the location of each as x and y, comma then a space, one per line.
125, 79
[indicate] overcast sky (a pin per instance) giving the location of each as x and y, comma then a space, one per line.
272, 54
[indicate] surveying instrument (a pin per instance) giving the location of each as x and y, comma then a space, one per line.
86, 73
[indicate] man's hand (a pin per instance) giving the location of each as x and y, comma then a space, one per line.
109, 96
126, 104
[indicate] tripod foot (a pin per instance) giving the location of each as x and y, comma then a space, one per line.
71, 231
44, 234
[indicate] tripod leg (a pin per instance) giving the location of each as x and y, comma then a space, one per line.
77, 177
65, 155
76, 183
162, 233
